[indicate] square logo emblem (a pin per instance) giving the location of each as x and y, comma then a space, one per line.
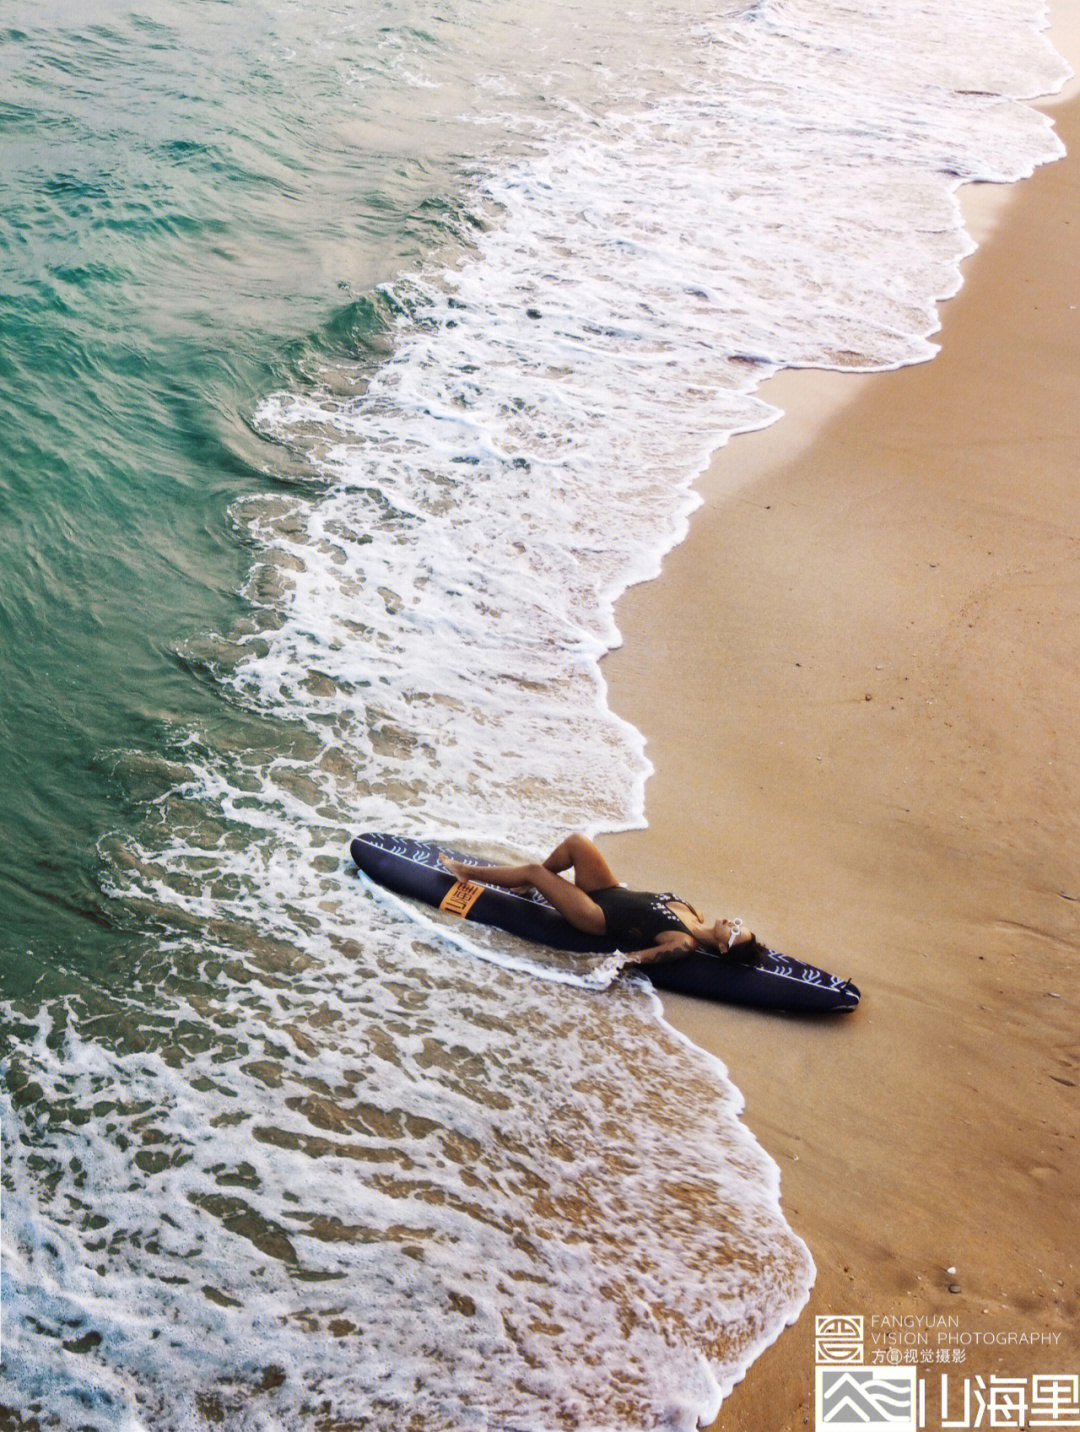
838, 1338
850, 1398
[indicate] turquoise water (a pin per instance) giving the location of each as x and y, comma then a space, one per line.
352, 364
185, 219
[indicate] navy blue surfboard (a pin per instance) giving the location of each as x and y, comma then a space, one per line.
774, 981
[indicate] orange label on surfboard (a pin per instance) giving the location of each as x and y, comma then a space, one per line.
461, 897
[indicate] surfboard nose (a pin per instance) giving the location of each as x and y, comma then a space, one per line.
848, 997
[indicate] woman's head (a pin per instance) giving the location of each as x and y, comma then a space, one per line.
730, 935
725, 932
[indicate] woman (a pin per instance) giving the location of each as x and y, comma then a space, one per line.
651, 927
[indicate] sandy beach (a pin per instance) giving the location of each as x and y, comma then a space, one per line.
865, 742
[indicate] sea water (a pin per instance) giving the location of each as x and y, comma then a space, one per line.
354, 360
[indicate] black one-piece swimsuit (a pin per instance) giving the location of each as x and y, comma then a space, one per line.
634, 918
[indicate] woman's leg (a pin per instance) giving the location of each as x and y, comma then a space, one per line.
591, 870
507, 877
571, 901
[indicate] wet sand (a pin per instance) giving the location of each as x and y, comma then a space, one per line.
867, 743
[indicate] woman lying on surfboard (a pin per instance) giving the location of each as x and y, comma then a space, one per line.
651, 927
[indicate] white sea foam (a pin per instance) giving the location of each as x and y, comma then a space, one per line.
325, 1161
378, 1188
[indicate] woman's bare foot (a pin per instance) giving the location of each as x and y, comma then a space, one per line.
457, 868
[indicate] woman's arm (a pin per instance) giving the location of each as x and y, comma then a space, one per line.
672, 946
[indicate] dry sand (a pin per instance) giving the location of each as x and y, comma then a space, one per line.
867, 742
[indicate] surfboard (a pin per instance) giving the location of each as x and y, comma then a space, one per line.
774, 981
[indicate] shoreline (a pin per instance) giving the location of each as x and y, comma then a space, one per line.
880, 693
